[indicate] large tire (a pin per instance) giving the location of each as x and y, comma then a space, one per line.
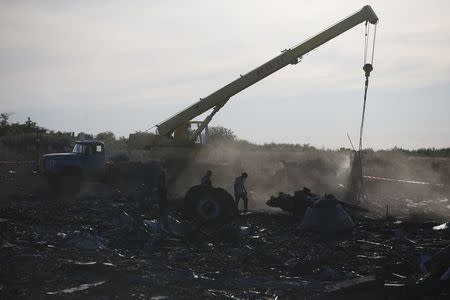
209, 206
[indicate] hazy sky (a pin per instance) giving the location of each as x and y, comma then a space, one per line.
127, 65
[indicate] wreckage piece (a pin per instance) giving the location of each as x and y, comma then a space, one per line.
443, 226
175, 227
209, 206
436, 281
326, 216
283, 201
438, 264
354, 288
296, 204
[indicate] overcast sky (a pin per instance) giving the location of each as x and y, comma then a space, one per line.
127, 65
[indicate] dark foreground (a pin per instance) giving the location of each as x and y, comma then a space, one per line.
87, 247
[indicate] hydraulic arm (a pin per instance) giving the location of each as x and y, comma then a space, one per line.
289, 56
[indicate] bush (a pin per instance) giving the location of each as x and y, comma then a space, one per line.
119, 157
219, 133
106, 137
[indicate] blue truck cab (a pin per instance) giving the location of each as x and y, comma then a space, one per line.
87, 159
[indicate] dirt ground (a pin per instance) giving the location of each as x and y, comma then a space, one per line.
95, 245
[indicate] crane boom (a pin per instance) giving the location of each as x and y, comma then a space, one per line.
289, 56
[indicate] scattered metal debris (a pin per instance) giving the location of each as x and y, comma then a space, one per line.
79, 288
444, 226
111, 244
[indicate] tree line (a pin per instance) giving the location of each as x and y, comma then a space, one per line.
24, 140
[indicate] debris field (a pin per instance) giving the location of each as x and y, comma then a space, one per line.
107, 244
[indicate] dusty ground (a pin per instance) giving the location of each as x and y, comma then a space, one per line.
84, 247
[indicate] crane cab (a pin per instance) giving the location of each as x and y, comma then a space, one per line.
186, 131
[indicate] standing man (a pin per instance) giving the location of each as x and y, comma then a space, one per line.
206, 180
240, 191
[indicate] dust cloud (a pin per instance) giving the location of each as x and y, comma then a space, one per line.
279, 170
270, 171
408, 186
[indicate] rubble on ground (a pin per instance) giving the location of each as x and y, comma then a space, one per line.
296, 204
111, 245
329, 219
316, 213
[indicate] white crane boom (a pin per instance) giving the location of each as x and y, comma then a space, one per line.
290, 56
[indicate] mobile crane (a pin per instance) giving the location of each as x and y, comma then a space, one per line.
178, 128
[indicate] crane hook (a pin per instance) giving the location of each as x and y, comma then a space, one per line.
368, 68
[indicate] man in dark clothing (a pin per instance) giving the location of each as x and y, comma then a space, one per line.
240, 192
206, 180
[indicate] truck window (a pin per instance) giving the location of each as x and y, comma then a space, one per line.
79, 148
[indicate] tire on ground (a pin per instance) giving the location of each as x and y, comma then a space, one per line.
209, 206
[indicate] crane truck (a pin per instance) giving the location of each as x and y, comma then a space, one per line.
88, 158
182, 129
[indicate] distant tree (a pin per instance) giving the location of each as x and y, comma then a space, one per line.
29, 126
29, 123
4, 117
219, 133
84, 136
106, 137
123, 139
344, 149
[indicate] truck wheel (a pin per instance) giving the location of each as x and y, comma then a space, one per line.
71, 184
54, 182
70, 181
209, 206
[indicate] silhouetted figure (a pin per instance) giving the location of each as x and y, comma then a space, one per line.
240, 192
206, 180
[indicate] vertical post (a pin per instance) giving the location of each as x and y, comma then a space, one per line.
38, 149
